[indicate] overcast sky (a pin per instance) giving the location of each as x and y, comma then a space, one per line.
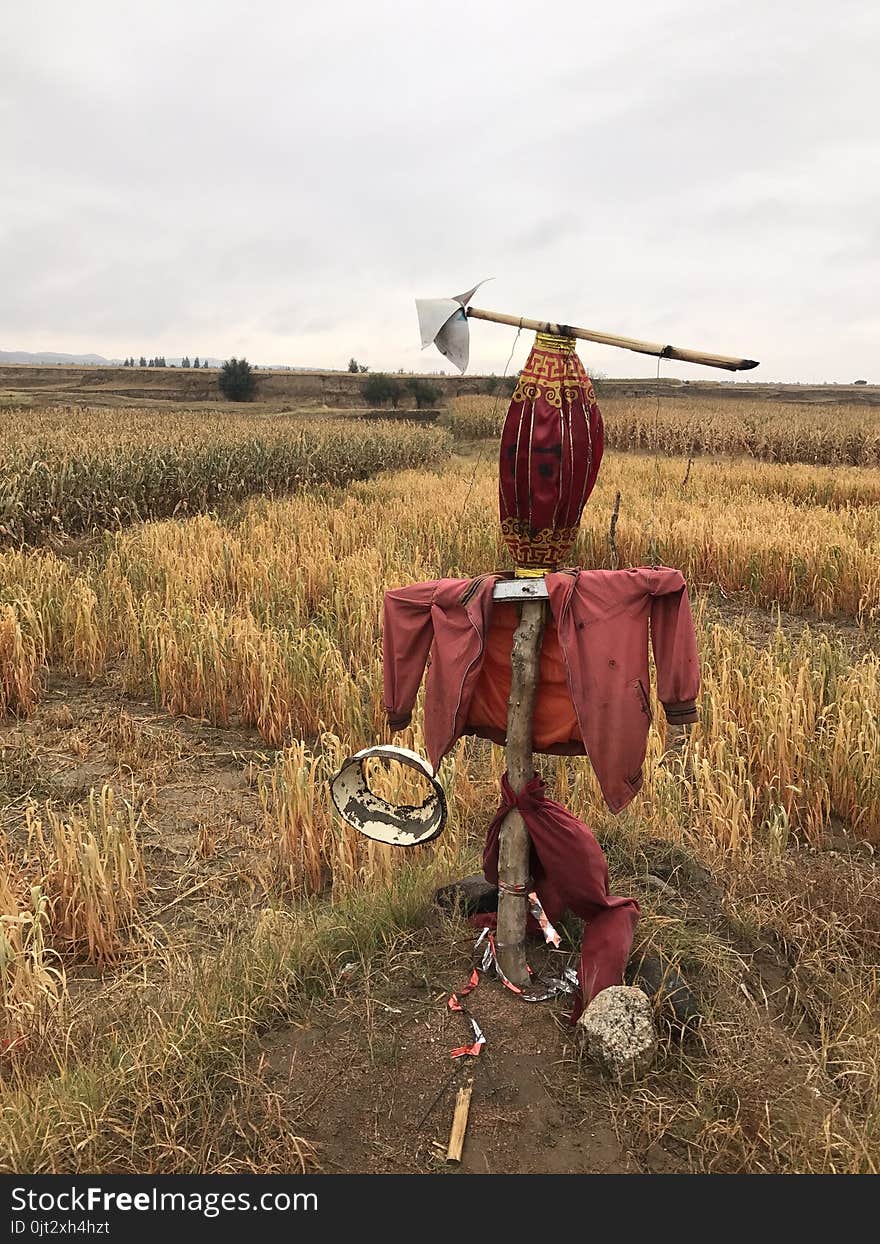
283, 179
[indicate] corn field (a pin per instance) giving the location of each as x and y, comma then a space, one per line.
829, 435
78, 471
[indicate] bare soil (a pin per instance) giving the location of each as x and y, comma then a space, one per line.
371, 1072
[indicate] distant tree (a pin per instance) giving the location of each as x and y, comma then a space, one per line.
362, 367
143, 362
237, 380
425, 393
184, 362
354, 365
379, 389
196, 362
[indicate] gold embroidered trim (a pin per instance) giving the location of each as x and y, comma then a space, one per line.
542, 549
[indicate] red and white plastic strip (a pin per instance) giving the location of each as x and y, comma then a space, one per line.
550, 935
454, 1004
554, 985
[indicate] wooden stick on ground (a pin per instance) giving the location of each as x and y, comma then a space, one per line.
513, 853
460, 1121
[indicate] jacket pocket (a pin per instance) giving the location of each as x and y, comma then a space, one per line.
644, 699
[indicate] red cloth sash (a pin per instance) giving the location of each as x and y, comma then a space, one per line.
570, 871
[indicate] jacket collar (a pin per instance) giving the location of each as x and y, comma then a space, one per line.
496, 575
475, 584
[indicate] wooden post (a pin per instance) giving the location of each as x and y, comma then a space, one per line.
513, 852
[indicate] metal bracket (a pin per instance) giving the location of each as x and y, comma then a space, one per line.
520, 589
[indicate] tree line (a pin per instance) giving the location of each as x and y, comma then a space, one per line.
159, 361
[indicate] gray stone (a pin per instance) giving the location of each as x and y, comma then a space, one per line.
470, 895
618, 1031
673, 1002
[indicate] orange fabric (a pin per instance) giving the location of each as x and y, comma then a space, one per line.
555, 720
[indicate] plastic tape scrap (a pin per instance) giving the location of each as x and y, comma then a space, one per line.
510, 985
479, 1041
552, 985
454, 1004
550, 934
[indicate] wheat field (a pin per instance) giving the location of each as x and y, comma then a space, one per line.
258, 621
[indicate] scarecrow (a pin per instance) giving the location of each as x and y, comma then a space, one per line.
547, 658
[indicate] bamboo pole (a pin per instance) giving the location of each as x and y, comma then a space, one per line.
608, 339
514, 845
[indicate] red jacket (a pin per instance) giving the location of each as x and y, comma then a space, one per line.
601, 620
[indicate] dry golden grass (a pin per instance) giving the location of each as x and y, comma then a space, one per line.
157, 1071
20, 665
92, 871
268, 617
32, 980
786, 1077
271, 619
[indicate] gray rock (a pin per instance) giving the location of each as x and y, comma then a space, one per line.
672, 999
470, 895
618, 1031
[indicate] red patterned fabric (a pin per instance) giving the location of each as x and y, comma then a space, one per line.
551, 448
570, 871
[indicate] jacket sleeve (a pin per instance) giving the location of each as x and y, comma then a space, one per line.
675, 652
407, 634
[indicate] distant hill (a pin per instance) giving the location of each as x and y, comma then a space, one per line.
47, 358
